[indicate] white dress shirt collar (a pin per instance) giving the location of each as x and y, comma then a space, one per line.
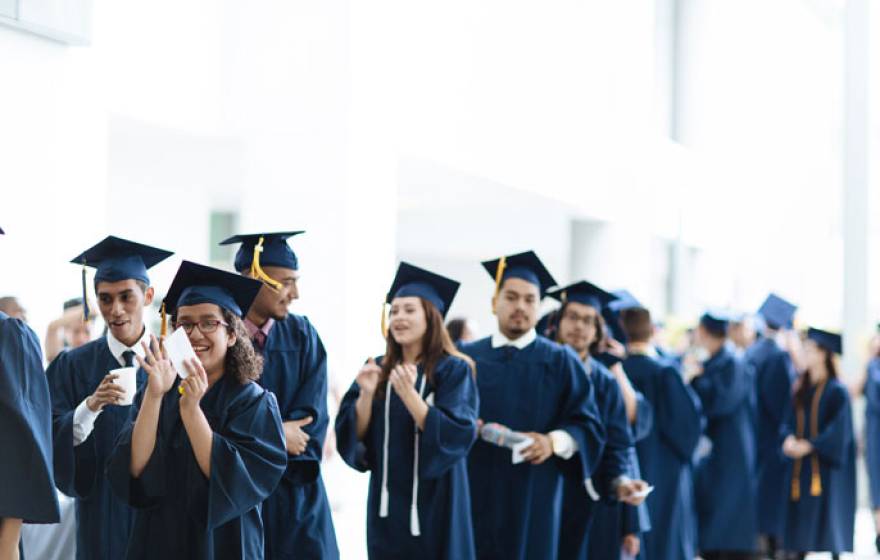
117, 347
499, 340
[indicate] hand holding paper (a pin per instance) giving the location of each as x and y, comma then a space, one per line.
179, 349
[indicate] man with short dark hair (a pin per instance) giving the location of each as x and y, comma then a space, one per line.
531, 385
13, 308
86, 412
774, 376
296, 516
725, 477
665, 454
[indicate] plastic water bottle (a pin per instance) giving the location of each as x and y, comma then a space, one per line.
499, 435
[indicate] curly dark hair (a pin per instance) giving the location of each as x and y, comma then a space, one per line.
242, 361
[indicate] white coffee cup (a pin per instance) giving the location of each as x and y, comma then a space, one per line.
127, 379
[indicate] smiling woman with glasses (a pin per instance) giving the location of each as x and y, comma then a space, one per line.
205, 325
200, 454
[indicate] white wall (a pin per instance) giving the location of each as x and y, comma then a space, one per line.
53, 141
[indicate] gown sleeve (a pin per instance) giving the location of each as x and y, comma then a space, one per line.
451, 424
722, 389
248, 460
615, 460
76, 467
579, 416
836, 435
148, 489
310, 400
25, 428
644, 418
350, 448
774, 389
678, 414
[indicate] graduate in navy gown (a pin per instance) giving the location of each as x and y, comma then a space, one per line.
530, 385
593, 517
820, 446
198, 455
86, 416
28, 494
297, 515
725, 478
872, 432
774, 375
665, 453
410, 418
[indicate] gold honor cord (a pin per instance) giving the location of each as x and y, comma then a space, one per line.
499, 275
258, 272
815, 475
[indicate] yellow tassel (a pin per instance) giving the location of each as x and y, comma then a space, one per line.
258, 272
796, 470
816, 482
384, 320
564, 296
816, 478
815, 474
499, 275
164, 331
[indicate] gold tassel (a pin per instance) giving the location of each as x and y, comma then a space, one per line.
816, 478
816, 482
815, 471
564, 296
258, 272
164, 331
499, 275
796, 470
384, 320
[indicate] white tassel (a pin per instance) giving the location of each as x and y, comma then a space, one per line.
591, 490
414, 528
383, 503
383, 497
414, 521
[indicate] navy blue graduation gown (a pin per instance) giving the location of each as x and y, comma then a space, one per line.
103, 521
824, 523
665, 457
774, 374
181, 513
579, 509
543, 387
297, 515
614, 520
725, 479
28, 489
444, 514
872, 430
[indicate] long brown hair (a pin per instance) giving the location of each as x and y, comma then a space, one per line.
804, 385
436, 345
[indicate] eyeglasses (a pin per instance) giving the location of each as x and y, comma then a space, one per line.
588, 320
206, 326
